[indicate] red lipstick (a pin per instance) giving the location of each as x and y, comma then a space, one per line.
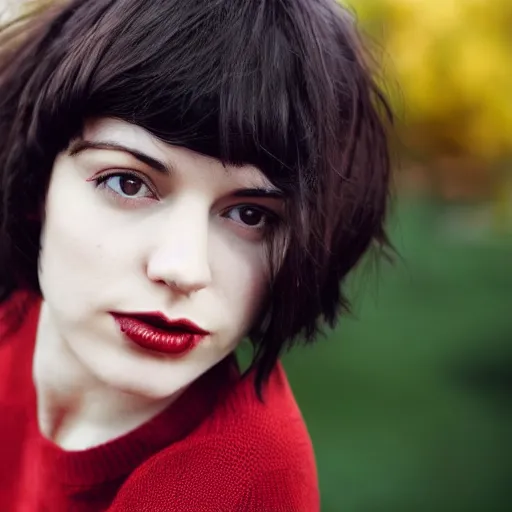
154, 331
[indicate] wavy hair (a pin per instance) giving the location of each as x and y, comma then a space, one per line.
284, 85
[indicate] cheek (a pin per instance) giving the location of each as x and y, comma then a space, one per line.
72, 248
241, 270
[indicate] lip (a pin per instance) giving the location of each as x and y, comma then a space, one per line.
154, 331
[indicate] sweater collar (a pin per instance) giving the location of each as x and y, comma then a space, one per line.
119, 457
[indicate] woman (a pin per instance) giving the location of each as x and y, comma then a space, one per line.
175, 176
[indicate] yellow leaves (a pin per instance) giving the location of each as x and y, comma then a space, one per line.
453, 62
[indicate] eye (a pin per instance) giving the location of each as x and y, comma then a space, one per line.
126, 185
253, 217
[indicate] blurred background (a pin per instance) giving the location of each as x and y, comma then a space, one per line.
408, 399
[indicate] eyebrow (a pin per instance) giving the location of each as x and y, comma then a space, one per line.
271, 193
81, 145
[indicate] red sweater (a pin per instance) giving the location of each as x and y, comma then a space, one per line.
217, 448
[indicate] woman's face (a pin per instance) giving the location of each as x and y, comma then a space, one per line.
133, 226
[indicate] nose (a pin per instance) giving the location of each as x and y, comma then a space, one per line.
180, 258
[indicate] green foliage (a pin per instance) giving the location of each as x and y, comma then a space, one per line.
408, 403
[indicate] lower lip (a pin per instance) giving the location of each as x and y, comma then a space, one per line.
153, 338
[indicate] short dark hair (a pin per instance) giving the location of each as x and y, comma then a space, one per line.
284, 85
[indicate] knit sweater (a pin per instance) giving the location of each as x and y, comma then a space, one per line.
216, 448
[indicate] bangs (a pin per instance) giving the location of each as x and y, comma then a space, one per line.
283, 85
220, 83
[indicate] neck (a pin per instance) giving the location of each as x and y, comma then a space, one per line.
75, 409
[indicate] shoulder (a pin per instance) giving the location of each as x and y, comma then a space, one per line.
248, 456
273, 426
270, 433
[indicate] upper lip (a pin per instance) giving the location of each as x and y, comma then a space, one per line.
158, 319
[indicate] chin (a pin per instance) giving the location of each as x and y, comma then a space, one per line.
155, 380
148, 387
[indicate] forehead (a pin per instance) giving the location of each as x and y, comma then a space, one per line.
120, 132
116, 130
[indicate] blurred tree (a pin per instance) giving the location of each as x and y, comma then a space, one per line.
451, 62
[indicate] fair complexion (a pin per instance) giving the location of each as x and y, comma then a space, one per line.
136, 225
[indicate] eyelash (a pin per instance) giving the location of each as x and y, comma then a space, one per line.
101, 183
272, 219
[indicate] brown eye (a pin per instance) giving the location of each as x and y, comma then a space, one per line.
251, 216
127, 186
130, 186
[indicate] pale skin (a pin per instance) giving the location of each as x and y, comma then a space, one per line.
182, 234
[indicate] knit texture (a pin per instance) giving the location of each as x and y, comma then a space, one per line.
217, 448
